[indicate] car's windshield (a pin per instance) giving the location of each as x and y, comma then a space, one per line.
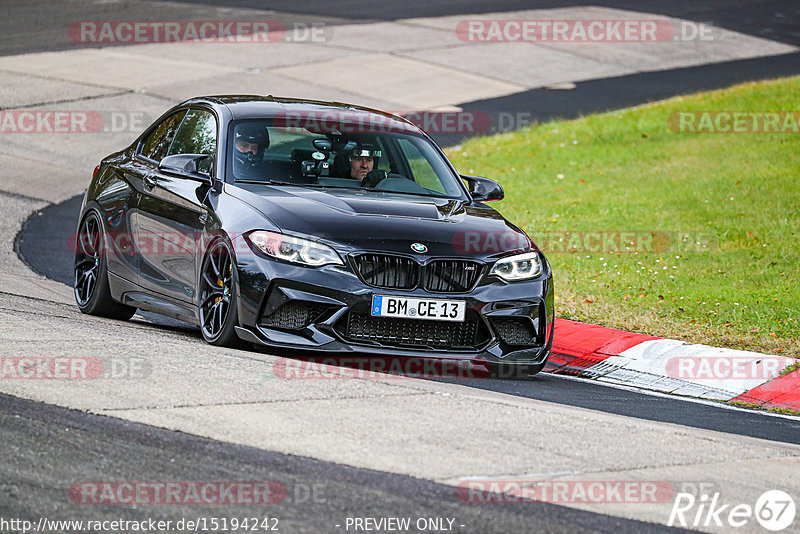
274, 150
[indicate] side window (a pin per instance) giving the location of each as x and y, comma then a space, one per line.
196, 135
157, 143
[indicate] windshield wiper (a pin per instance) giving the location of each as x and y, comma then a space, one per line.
278, 182
273, 182
433, 194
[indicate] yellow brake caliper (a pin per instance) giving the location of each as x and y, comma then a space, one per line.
219, 282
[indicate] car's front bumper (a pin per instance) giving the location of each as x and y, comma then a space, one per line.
329, 311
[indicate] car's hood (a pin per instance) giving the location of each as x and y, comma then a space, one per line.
377, 221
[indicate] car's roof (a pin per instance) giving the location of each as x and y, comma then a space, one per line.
255, 106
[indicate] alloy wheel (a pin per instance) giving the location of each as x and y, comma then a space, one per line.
87, 259
216, 287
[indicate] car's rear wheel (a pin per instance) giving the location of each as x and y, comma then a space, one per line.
218, 311
92, 292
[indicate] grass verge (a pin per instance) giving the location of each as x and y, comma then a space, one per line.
711, 222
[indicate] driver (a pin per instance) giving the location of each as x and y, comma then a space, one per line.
362, 160
362, 164
250, 141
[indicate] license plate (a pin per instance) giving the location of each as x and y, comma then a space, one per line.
413, 308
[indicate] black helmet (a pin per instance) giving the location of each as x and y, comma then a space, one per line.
341, 163
364, 150
367, 150
251, 132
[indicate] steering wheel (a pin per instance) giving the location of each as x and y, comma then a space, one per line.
373, 178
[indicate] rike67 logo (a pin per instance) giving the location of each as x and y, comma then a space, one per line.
774, 510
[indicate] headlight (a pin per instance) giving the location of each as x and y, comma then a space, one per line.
294, 249
519, 267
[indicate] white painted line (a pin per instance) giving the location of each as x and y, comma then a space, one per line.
716, 404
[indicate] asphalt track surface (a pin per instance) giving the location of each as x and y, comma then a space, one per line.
49, 230
777, 20
771, 19
47, 448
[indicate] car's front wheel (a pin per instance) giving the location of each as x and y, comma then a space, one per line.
92, 292
218, 310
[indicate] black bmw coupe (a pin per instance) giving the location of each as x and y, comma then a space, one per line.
310, 225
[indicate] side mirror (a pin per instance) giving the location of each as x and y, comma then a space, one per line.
185, 166
483, 189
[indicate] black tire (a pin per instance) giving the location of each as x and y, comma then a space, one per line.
219, 315
514, 372
91, 288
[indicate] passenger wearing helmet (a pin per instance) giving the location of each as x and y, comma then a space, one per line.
250, 141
